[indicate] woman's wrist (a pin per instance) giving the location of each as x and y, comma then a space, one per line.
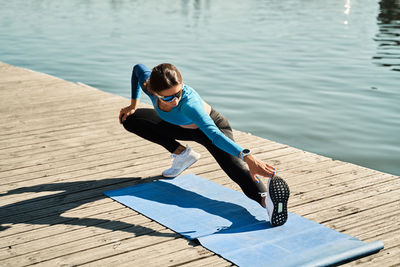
134, 103
244, 153
249, 159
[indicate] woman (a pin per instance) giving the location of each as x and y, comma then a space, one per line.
180, 114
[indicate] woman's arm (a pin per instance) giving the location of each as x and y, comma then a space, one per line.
140, 74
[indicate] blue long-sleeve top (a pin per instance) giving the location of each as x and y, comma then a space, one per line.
189, 110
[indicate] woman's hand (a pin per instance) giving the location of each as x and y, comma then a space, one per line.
125, 112
257, 167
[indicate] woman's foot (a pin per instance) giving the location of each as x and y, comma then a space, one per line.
276, 200
181, 162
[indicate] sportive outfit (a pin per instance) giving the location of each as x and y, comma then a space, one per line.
213, 132
189, 110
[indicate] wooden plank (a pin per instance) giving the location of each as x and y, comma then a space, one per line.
56, 144
337, 207
88, 147
120, 168
73, 224
26, 135
175, 258
339, 189
75, 163
76, 229
24, 224
387, 258
332, 172
365, 218
140, 256
380, 228
86, 191
214, 261
95, 246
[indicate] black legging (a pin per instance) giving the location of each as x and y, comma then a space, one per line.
147, 124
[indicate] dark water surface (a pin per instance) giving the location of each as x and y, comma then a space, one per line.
323, 76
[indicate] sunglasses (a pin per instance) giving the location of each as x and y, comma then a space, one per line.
170, 98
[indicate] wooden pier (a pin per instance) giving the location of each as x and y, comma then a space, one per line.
61, 146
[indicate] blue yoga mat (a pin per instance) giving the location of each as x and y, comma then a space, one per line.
237, 228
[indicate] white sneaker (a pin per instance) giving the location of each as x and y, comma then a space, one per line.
181, 162
276, 200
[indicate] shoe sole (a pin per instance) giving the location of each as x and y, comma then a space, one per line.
279, 193
190, 163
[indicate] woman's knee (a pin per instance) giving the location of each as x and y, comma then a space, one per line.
128, 123
133, 122
141, 114
142, 120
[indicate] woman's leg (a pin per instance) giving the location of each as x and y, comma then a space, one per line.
234, 167
146, 124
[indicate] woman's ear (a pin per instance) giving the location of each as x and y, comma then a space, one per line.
147, 86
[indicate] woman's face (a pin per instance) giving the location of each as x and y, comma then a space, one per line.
175, 90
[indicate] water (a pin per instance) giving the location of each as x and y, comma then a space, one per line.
322, 76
